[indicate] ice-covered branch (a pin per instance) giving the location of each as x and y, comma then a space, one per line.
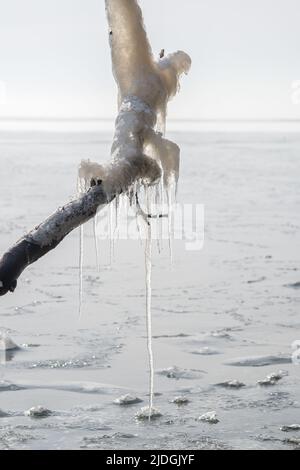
140, 153
46, 236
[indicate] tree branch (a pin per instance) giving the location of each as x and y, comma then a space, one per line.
47, 235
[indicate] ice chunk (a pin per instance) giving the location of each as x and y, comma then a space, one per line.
206, 351
38, 412
146, 413
180, 400
209, 417
177, 373
232, 384
273, 379
290, 428
127, 400
293, 440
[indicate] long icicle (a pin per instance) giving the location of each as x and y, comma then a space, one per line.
170, 222
148, 265
111, 235
80, 269
80, 190
96, 239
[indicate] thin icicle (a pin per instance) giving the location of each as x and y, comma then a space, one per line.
117, 203
148, 268
80, 269
111, 234
162, 202
170, 222
137, 219
158, 204
81, 187
148, 265
96, 239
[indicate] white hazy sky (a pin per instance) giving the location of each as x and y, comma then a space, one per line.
55, 60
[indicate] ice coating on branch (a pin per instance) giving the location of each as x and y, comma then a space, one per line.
135, 70
87, 172
145, 86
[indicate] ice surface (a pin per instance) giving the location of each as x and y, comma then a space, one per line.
210, 302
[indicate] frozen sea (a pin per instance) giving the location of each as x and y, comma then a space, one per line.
226, 313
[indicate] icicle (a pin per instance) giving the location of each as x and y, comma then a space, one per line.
81, 187
158, 204
96, 239
137, 214
111, 235
148, 266
80, 269
117, 202
137, 221
170, 222
162, 202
